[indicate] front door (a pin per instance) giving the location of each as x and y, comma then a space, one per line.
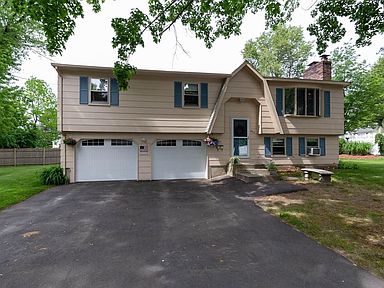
240, 137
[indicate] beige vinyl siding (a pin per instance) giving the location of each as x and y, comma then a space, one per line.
331, 157
247, 109
246, 85
147, 106
333, 125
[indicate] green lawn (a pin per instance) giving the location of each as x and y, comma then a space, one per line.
19, 183
346, 215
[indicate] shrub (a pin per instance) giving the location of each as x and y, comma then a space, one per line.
347, 165
342, 143
379, 139
357, 148
234, 160
271, 166
53, 176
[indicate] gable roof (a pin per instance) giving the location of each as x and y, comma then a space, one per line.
267, 95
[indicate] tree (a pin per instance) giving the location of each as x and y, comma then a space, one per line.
27, 116
18, 35
41, 112
208, 19
347, 67
281, 52
364, 97
375, 92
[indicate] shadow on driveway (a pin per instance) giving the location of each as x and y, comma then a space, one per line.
162, 234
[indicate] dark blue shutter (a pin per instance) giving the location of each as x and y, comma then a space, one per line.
267, 149
83, 90
288, 147
204, 95
178, 96
322, 147
114, 92
301, 146
279, 101
327, 104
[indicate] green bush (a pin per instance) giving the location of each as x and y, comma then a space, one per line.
342, 143
271, 166
356, 148
53, 176
347, 165
234, 160
379, 139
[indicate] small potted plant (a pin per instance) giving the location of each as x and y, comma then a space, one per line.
272, 168
69, 141
233, 162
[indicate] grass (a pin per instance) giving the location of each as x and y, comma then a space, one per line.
346, 215
19, 183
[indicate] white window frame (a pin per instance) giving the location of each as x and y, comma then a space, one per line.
198, 95
90, 102
321, 93
285, 146
306, 144
233, 138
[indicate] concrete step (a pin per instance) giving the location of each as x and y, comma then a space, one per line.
255, 175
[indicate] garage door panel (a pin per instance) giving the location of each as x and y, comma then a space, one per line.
107, 162
178, 162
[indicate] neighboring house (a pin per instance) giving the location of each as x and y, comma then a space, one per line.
365, 135
156, 129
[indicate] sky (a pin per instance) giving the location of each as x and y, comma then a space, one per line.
91, 45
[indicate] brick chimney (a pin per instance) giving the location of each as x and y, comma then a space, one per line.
319, 70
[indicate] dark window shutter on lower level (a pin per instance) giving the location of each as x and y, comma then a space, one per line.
83, 90
204, 95
178, 101
267, 145
288, 147
323, 150
114, 92
301, 146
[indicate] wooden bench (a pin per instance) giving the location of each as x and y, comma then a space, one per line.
325, 176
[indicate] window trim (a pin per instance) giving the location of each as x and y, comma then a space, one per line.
321, 96
285, 147
198, 95
306, 144
165, 141
233, 138
98, 103
191, 141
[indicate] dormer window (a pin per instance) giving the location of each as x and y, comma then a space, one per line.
99, 91
191, 95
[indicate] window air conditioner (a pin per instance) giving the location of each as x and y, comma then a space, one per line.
314, 152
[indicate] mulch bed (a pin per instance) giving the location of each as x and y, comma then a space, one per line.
359, 157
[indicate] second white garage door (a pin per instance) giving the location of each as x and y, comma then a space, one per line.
105, 159
179, 159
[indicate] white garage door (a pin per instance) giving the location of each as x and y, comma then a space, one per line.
103, 160
179, 159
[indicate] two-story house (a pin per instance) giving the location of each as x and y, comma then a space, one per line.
156, 129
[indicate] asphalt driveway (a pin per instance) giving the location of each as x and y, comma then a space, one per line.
161, 234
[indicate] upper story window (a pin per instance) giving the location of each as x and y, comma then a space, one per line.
191, 95
99, 90
302, 101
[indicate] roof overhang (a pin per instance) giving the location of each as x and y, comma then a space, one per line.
311, 81
144, 72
